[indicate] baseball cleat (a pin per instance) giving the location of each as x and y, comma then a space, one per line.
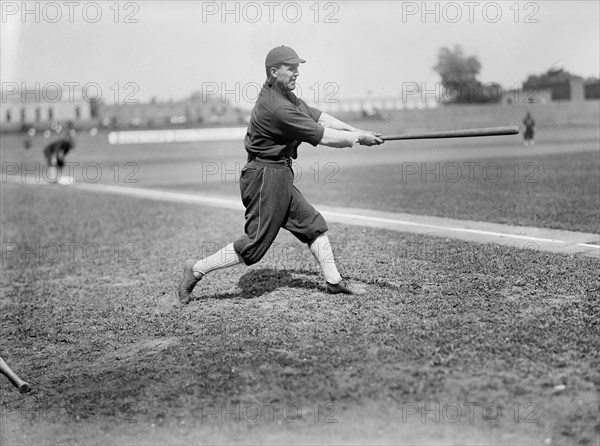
188, 282
338, 288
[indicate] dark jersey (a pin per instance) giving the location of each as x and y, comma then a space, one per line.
58, 150
279, 123
529, 123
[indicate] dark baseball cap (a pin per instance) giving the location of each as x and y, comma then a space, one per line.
282, 54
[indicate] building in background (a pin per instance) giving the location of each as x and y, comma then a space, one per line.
38, 108
572, 90
21, 110
195, 110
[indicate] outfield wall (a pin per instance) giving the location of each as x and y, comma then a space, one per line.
555, 114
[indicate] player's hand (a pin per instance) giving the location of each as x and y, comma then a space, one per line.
370, 139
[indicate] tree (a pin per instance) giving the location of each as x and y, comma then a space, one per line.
459, 78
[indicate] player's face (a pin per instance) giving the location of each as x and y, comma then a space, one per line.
286, 76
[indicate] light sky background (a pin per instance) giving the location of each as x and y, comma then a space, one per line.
373, 49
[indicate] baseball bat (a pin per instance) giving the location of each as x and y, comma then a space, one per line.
23, 386
464, 133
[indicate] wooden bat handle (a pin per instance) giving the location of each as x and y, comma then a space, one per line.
464, 133
23, 386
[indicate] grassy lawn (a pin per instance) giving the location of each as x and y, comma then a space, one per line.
86, 279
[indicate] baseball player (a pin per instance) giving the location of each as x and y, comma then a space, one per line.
27, 142
529, 123
279, 123
55, 154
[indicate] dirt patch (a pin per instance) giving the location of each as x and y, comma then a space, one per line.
144, 347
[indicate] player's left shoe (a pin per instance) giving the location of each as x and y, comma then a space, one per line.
188, 282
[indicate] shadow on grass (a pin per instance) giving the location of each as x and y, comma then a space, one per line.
255, 283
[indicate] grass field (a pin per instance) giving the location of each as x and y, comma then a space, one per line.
454, 342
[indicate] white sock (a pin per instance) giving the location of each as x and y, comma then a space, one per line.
321, 250
222, 259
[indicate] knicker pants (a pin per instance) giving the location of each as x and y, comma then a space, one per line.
273, 202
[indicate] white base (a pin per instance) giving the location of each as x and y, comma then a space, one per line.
66, 180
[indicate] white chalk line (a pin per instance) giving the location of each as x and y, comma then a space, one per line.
234, 204
587, 245
444, 228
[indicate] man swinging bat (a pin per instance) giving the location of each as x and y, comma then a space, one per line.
279, 123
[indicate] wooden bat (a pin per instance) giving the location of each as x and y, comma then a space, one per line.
23, 386
464, 133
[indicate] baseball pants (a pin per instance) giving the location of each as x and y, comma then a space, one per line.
273, 202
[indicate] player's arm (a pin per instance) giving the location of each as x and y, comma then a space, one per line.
340, 134
330, 122
300, 126
344, 138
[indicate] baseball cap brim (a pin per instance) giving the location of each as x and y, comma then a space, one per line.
293, 61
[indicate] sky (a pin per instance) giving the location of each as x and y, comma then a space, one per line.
137, 50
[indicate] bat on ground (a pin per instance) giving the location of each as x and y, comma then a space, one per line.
23, 386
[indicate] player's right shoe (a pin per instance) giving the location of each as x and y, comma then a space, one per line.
188, 282
338, 288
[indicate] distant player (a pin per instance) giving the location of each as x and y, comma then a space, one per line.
55, 154
528, 133
27, 142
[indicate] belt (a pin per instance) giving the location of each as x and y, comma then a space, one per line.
286, 160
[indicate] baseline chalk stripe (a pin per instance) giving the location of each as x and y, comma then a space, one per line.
163, 195
588, 245
445, 228
177, 135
